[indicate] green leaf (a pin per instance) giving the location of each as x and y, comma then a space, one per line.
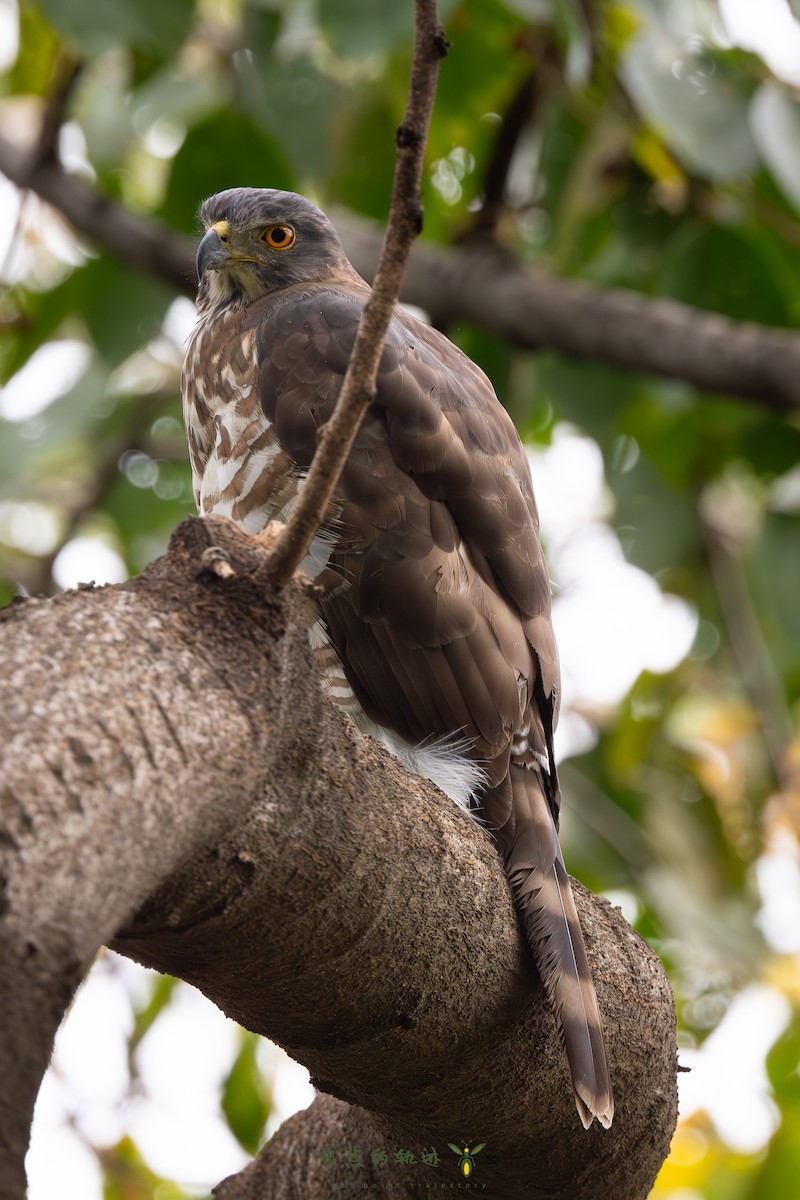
246, 1096
356, 28
728, 270
772, 446
143, 519
692, 100
772, 571
777, 1175
158, 26
783, 1064
161, 993
775, 118
228, 149
59, 445
32, 73
126, 1175
8, 591
295, 103
38, 316
591, 396
573, 28
122, 308
361, 175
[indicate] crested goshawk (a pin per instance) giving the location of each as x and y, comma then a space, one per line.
433, 628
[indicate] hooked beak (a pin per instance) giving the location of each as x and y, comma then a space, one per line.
212, 255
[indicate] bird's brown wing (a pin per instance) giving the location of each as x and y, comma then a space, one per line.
442, 613
438, 600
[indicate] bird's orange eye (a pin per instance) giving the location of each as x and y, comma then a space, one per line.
279, 237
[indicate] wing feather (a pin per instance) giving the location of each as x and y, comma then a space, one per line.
438, 530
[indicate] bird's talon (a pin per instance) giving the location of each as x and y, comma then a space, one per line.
268, 537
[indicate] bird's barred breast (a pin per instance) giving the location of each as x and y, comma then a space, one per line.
238, 467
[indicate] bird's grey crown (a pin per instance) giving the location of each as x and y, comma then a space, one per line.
248, 206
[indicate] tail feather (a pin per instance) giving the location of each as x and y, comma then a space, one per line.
536, 869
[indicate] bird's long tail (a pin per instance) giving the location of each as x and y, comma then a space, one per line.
541, 886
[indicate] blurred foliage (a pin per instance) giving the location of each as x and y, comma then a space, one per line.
658, 156
246, 1096
128, 1177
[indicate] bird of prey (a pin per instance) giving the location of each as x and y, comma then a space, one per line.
433, 622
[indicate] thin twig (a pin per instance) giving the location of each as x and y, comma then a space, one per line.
514, 121
405, 222
40, 579
520, 113
66, 69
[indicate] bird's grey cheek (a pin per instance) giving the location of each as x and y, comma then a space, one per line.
211, 254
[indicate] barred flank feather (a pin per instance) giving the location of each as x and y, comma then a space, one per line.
544, 896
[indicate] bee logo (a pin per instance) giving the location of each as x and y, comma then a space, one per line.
466, 1157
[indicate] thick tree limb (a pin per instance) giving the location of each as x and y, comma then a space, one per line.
479, 283
485, 285
176, 785
358, 386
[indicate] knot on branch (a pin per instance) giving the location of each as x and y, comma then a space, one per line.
441, 43
407, 137
415, 219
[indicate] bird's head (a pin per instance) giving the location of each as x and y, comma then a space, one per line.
258, 240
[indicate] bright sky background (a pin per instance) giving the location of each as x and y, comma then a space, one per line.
768, 28
611, 620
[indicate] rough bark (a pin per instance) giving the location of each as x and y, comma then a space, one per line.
175, 785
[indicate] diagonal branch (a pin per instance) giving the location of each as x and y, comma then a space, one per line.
522, 111
140, 242
405, 222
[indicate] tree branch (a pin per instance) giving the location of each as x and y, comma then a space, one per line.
176, 785
522, 110
66, 70
484, 285
517, 116
95, 740
405, 222
142, 243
